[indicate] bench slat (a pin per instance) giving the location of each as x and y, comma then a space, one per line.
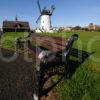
51, 40
49, 37
51, 46
54, 44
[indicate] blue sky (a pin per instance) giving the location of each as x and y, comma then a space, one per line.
67, 12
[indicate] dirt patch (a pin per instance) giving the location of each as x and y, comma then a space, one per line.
52, 95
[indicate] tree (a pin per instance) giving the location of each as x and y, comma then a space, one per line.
77, 28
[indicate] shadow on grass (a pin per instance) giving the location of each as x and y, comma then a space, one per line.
80, 56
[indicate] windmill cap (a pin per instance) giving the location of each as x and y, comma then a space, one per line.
46, 12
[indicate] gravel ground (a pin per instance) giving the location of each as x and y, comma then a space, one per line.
16, 79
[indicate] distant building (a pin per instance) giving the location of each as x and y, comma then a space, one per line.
97, 27
91, 27
15, 26
67, 29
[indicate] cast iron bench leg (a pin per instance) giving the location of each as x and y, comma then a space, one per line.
67, 67
39, 75
36, 83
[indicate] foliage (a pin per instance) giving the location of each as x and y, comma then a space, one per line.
77, 28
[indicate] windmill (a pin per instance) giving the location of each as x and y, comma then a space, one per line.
45, 18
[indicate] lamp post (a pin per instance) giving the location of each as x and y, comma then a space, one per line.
0, 33
16, 24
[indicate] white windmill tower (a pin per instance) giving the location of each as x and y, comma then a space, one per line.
45, 16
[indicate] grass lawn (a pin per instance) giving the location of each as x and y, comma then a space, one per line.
85, 82
8, 39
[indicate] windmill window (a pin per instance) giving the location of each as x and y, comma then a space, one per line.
43, 27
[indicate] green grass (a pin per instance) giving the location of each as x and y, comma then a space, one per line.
8, 39
85, 82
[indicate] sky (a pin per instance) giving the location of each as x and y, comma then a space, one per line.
67, 12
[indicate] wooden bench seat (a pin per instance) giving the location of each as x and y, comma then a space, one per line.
55, 44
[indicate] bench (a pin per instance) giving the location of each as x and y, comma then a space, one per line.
49, 52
